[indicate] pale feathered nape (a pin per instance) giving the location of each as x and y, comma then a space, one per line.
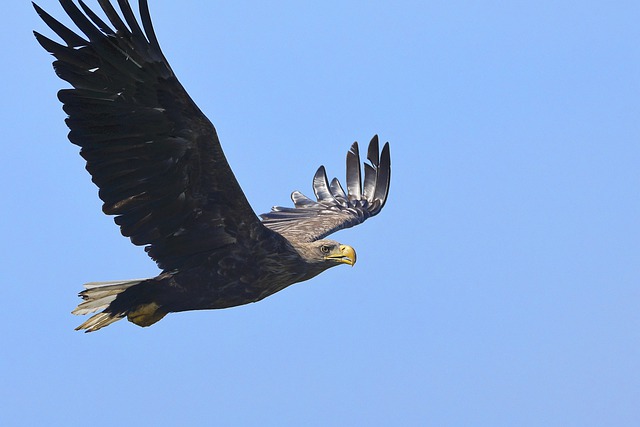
98, 296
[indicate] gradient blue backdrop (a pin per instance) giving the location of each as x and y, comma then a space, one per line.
499, 286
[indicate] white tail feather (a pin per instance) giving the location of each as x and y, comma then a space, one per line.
98, 296
98, 321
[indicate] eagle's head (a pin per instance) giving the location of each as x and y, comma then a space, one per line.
323, 254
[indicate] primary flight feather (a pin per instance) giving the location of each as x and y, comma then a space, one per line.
161, 171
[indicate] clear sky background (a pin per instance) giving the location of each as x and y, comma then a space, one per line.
500, 286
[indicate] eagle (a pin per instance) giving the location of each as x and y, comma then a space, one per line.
161, 171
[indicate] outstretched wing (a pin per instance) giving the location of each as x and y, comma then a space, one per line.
154, 155
336, 209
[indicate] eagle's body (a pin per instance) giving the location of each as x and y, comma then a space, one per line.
161, 170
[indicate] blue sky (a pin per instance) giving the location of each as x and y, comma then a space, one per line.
498, 287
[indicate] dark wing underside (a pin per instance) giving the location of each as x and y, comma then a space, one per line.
336, 209
154, 155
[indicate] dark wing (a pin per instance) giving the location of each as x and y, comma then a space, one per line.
154, 155
336, 209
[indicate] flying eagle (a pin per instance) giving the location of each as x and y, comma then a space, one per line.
161, 171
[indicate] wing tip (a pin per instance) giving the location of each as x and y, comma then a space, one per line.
351, 207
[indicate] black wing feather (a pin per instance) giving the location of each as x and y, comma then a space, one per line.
373, 151
383, 179
354, 182
114, 18
321, 186
334, 209
103, 26
338, 192
153, 154
148, 29
81, 21
370, 175
69, 37
130, 17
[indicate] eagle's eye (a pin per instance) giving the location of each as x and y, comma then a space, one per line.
325, 249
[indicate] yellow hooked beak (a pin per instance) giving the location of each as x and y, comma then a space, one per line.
347, 255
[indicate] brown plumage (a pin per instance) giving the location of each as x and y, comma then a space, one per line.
161, 171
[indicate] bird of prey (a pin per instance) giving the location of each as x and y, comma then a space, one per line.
161, 171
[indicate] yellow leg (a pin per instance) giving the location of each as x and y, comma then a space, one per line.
146, 314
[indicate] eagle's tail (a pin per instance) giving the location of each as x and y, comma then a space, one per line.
99, 296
